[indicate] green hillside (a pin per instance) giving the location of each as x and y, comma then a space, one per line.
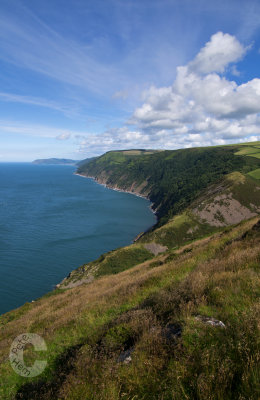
171, 179
173, 316
234, 198
250, 149
181, 325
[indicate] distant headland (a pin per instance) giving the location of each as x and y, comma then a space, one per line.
61, 161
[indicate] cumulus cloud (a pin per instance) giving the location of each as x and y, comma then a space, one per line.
220, 51
112, 139
202, 107
202, 104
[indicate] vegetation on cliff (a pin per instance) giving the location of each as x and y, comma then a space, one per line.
171, 179
183, 325
173, 316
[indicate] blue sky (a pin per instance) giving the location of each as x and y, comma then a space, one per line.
79, 78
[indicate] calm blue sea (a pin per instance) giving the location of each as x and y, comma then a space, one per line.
52, 221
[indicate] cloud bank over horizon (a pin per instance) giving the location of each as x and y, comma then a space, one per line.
202, 106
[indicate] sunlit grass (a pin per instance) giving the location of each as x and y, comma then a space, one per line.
87, 327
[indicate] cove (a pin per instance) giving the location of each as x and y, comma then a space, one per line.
52, 221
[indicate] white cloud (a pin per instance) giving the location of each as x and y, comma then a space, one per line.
220, 51
202, 107
116, 139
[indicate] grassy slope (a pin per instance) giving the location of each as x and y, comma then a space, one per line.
86, 328
182, 228
171, 179
112, 262
255, 174
250, 149
188, 226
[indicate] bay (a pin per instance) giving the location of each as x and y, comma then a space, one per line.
52, 221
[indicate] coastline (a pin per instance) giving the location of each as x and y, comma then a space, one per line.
138, 236
120, 190
52, 282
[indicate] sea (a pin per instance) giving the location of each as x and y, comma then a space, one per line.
52, 221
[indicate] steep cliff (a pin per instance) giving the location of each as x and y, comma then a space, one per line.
172, 180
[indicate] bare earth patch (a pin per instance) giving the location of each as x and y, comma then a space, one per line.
192, 230
223, 210
73, 284
155, 248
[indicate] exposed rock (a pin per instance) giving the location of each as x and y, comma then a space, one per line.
155, 248
76, 278
125, 356
138, 237
210, 321
79, 282
223, 210
192, 230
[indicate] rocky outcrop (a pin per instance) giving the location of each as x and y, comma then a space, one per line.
125, 356
210, 321
235, 199
155, 248
140, 189
224, 210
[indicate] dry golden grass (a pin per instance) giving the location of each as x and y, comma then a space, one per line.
88, 326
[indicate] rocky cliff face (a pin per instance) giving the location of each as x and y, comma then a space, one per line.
139, 189
235, 199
